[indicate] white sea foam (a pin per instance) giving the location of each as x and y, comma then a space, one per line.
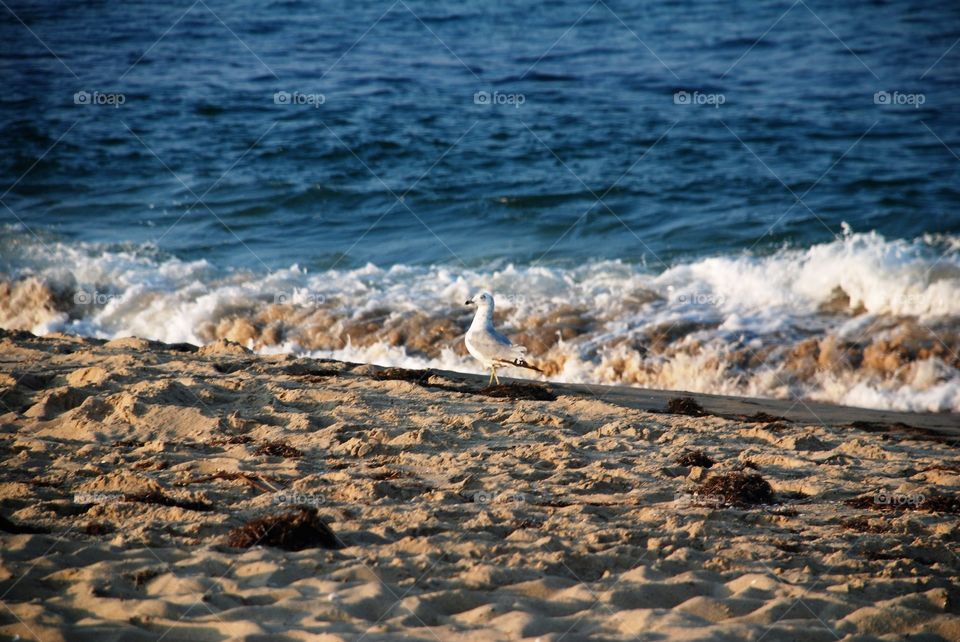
727, 306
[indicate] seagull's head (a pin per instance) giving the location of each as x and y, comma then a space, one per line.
482, 300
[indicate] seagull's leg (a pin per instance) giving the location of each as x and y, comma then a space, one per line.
493, 372
496, 378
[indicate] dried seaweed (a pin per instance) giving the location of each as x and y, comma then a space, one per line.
685, 406
295, 530
278, 449
741, 489
518, 391
694, 458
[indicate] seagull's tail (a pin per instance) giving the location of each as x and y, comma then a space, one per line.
523, 363
520, 362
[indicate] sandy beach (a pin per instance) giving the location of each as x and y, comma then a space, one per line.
262, 264
416, 505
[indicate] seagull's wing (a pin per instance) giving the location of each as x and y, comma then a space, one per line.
501, 339
501, 351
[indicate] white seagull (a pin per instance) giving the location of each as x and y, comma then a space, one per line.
488, 346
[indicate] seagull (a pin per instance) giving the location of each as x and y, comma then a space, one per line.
488, 346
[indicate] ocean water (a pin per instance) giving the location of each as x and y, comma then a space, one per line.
744, 198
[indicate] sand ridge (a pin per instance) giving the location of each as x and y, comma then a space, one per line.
462, 516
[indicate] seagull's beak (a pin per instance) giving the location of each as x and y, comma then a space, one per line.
468, 302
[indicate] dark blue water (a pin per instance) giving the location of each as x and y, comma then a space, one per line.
597, 162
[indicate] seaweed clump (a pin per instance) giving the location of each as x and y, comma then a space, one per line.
294, 530
738, 489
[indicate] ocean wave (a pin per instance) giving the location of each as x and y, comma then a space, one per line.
861, 320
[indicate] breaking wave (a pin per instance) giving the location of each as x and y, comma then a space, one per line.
861, 320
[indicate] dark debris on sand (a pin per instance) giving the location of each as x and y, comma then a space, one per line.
232, 440
295, 530
143, 577
739, 489
863, 525
515, 391
98, 529
179, 347
419, 377
258, 482
158, 498
694, 458
512, 390
941, 504
685, 406
229, 367
309, 371
933, 503
278, 449
764, 418
897, 427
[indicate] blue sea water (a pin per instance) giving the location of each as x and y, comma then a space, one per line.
482, 182
473, 138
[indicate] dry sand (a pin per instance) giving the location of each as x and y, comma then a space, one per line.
455, 515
